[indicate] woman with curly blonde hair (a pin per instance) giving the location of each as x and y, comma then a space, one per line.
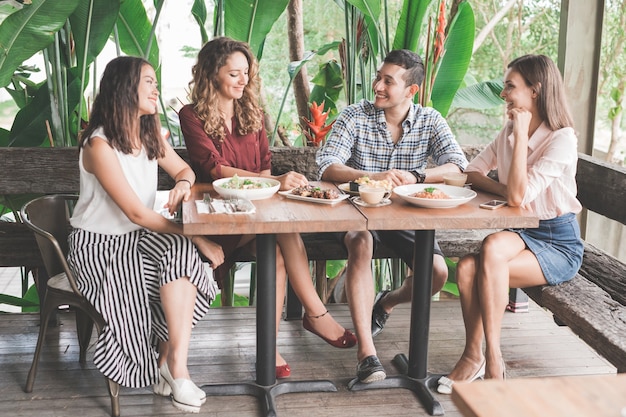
205, 93
225, 136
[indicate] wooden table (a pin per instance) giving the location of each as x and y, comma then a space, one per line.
274, 215
401, 215
567, 396
281, 215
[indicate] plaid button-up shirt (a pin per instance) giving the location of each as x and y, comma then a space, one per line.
360, 139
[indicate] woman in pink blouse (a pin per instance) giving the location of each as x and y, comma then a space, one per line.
225, 135
536, 156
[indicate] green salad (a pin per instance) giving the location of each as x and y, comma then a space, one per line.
238, 183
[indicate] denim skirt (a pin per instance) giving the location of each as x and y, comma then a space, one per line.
557, 245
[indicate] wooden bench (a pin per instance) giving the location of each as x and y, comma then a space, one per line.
592, 304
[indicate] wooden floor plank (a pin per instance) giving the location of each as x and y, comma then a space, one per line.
223, 348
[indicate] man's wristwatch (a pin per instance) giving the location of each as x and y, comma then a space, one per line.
420, 177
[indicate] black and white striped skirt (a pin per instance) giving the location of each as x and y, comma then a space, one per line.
121, 276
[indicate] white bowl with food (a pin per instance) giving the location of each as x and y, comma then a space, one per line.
434, 195
249, 188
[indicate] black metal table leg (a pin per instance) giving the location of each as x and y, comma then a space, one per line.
265, 387
415, 376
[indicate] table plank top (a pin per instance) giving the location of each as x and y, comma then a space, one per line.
277, 214
401, 215
567, 396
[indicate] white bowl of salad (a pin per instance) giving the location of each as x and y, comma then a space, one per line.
249, 188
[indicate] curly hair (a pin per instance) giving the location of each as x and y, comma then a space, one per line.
204, 88
115, 109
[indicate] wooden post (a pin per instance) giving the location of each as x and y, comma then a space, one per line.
580, 39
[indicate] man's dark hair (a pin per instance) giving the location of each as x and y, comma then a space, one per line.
410, 61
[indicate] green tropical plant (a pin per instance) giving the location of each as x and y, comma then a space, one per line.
249, 20
28, 303
366, 41
70, 34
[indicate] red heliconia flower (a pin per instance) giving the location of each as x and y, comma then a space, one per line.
440, 32
316, 126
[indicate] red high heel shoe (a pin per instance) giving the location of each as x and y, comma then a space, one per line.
346, 341
283, 371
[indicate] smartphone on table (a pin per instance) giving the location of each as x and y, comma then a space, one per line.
493, 204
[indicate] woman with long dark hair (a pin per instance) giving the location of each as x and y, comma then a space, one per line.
132, 264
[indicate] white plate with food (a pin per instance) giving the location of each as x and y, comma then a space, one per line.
434, 195
315, 194
247, 188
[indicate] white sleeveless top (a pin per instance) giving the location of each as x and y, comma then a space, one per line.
96, 212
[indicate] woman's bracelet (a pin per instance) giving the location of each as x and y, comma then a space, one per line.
186, 180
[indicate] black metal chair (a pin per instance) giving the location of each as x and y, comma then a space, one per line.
48, 217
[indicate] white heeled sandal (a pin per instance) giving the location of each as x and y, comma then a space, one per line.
445, 383
163, 387
186, 396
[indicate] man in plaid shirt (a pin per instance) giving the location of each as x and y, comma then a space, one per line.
390, 139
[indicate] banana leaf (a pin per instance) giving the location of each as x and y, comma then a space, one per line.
456, 60
251, 20
333, 268
479, 96
92, 23
18, 302
29, 126
199, 13
134, 30
4, 137
328, 83
28, 31
31, 300
367, 7
371, 13
410, 24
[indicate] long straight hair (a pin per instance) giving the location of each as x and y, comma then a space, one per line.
542, 75
116, 107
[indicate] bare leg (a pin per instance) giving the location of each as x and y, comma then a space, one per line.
472, 356
281, 282
503, 261
178, 299
297, 266
360, 289
405, 292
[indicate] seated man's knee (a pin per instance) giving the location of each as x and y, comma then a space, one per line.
359, 243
